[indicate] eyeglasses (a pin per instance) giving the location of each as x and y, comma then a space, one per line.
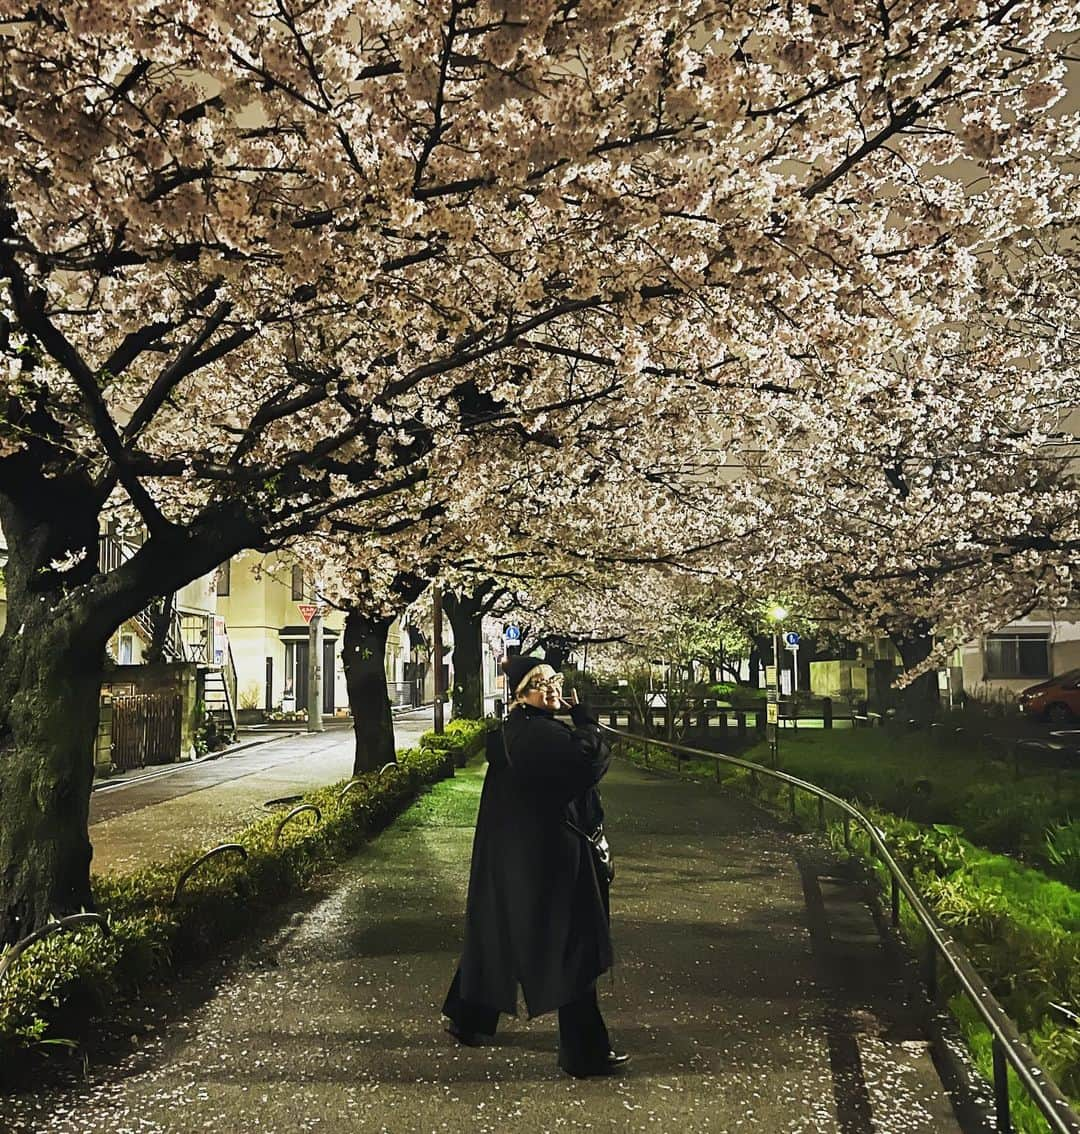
554, 683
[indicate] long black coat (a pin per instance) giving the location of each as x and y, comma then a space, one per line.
537, 912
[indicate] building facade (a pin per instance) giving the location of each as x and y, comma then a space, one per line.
1041, 645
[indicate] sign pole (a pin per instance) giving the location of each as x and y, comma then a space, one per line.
436, 613
315, 674
772, 708
511, 646
777, 614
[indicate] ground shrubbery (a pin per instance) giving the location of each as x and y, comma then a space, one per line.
1027, 809
945, 814
65, 984
1020, 929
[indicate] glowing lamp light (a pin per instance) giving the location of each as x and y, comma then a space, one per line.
778, 613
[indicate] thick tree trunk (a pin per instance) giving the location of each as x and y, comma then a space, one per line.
919, 701
50, 684
364, 658
466, 618
61, 610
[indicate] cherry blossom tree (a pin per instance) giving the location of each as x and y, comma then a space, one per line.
257, 262
935, 501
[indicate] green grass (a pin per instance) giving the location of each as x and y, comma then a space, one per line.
916, 776
449, 803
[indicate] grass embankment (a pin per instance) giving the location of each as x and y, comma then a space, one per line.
68, 984
979, 843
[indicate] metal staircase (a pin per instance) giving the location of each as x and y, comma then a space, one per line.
217, 687
111, 553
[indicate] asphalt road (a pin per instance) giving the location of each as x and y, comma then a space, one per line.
184, 808
751, 990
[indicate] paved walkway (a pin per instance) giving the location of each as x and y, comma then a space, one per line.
751, 991
188, 807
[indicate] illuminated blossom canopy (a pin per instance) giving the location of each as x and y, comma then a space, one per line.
262, 263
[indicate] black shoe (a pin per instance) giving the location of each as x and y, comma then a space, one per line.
469, 1039
615, 1064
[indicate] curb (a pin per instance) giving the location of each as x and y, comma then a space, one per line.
172, 769
116, 783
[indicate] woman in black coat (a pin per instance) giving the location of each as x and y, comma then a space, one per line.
537, 910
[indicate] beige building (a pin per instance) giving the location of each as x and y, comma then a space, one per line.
996, 666
262, 600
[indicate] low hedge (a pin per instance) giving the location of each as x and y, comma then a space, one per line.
1019, 927
68, 984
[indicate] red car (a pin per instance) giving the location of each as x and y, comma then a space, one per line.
1056, 700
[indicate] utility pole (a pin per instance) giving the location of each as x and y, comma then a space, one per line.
436, 645
315, 673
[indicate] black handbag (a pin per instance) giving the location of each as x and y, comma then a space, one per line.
601, 851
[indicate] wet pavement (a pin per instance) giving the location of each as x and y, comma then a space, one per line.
184, 808
751, 990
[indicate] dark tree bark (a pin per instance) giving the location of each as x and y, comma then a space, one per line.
920, 701
50, 686
364, 657
761, 655
52, 657
161, 614
466, 613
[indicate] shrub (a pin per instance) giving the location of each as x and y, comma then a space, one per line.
946, 780
65, 984
1063, 850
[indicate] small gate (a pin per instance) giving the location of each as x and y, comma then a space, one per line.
146, 729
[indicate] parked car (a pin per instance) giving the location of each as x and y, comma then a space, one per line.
1056, 700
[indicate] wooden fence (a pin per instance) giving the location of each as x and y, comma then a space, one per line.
146, 729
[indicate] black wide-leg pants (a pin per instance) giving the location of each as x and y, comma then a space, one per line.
583, 1038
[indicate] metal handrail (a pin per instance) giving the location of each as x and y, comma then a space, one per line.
70, 923
231, 682
348, 788
1008, 1048
225, 848
302, 809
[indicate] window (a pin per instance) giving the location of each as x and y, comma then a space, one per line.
297, 583
1017, 655
127, 649
224, 578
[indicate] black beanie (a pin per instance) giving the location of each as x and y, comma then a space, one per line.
518, 667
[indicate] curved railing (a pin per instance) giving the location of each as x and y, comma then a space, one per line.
214, 852
70, 923
1008, 1048
304, 808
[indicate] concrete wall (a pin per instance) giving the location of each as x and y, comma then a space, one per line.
838, 679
